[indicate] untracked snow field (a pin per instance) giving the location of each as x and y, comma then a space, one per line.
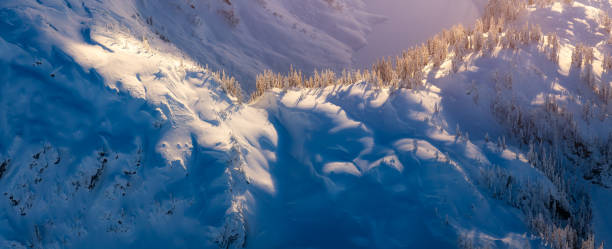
113, 133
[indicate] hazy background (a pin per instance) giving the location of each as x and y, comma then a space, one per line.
411, 22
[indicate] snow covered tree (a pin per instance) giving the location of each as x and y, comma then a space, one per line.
553, 46
230, 85
384, 70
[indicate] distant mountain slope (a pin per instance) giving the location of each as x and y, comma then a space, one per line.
247, 37
411, 22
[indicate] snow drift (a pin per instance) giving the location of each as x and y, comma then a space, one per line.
111, 136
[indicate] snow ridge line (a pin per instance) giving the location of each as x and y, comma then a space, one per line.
235, 228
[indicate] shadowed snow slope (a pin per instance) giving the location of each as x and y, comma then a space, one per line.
112, 138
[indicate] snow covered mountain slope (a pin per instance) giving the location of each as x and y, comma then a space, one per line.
408, 23
367, 168
91, 121
519, 96
112, 137
247, 37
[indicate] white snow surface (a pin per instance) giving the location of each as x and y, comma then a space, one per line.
262, 34
111, 137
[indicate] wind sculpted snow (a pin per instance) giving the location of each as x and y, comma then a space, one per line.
111, 136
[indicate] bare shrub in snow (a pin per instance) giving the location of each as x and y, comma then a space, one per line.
229, 16
607, 63
582, 55
605, 21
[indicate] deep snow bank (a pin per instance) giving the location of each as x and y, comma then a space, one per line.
111, 137
359, 167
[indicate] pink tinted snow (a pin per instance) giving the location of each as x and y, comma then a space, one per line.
411, 22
